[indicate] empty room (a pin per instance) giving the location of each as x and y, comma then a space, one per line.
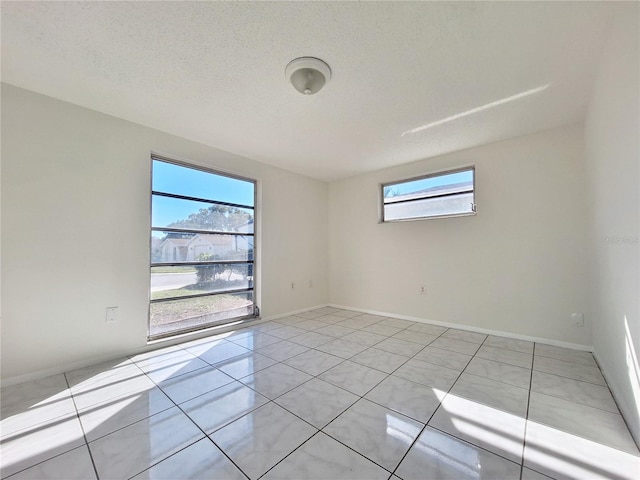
320, 240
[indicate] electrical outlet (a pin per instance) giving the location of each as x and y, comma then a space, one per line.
293, 285
577, 319
112, 315
423, 290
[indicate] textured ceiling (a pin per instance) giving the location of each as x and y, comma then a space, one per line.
410, 80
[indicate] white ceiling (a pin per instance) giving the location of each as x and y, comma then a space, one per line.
214, 72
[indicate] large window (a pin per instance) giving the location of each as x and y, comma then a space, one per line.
202, 248
443, 194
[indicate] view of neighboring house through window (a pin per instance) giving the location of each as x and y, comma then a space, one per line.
444, 194
202, 248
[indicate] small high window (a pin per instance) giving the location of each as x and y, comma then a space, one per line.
444, 194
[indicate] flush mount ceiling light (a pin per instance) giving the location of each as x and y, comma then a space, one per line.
307, 74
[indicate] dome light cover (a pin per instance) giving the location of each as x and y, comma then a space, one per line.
308, 74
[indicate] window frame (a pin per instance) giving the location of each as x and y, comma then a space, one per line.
439, 173
252, 288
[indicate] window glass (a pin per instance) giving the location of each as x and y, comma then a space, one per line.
438, 195
202, 249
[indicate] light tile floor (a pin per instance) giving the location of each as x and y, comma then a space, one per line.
327, 394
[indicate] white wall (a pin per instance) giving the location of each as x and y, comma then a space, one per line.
518, 266
613, 167
75, 232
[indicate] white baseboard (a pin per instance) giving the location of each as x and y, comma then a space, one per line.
613, 388
67, 367
498, 333
288, 314
153, 345
225, 329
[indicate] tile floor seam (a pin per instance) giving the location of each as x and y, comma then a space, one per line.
321, 430
635, 441
314, 376
479, 376
37, 426
443, 366
413, 443
168, 457
626, 424
427, 422
504, 363
474, 444
570, 378
494, 379
283, 393
86, 444
318, 430
388, 373
392, 409
181, 374
466, 440
422, 349
482, 367
578, 402
479, 402
220, 427
222, 450
584, 438
573, 362
8, 477
494, 360
352, 449
460, 340
196, 441
543, 354
511, 349
84, 434
202, 394
318, 375
361, 397
526, 418
289, 454
306, 421
128, 424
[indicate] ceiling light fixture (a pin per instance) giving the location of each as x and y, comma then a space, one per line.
307, 74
